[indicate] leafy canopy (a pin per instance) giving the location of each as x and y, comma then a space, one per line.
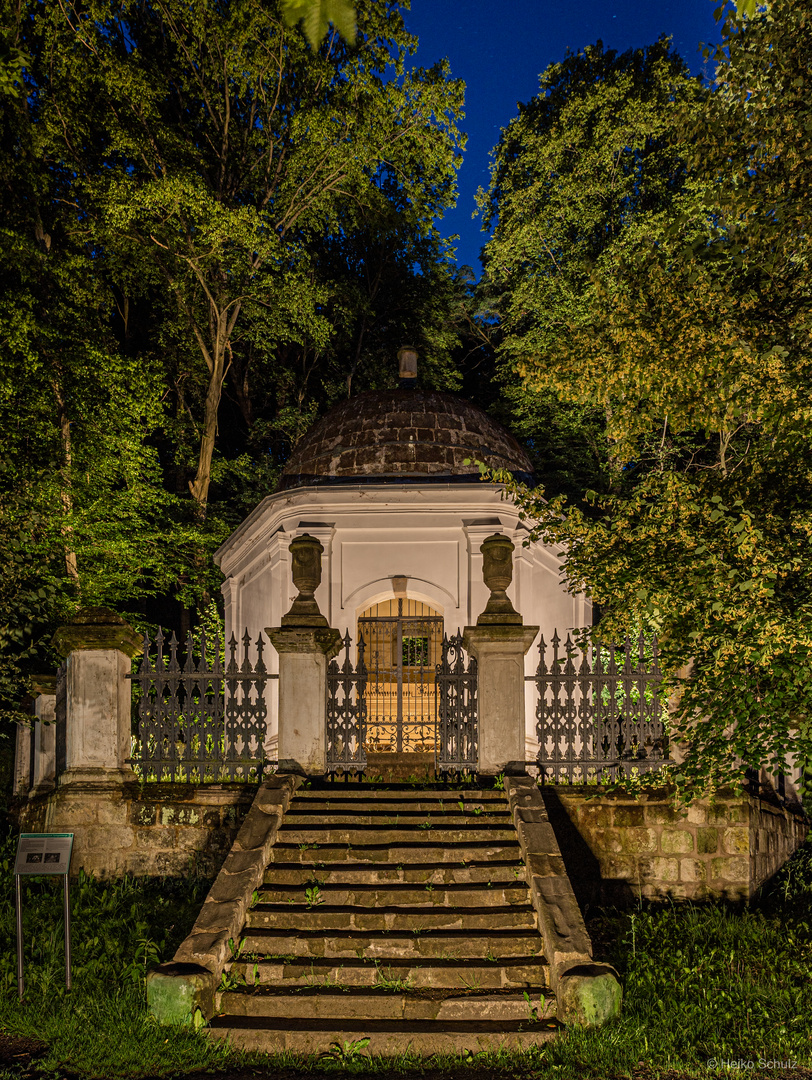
690, 331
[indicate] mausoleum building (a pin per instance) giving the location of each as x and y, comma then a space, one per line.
388, 482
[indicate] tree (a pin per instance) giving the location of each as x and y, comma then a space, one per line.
183, 184
694, 338
585, 165
224, 150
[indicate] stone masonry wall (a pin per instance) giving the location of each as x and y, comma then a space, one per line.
152, 830
620, 848
616, 848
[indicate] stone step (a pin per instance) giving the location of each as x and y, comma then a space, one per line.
353, 818
522, 973
386, 1038
491, 945
361, 1003
404, 793
384, 894
400, 854
338, 917
359, 835
439, 873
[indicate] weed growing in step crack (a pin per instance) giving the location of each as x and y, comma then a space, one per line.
313, 896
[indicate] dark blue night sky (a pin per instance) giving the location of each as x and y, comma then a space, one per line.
500, 47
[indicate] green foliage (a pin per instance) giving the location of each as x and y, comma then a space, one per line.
690, 331
119, 930
211, 233
316, 16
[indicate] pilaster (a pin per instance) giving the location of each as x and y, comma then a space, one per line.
99, 646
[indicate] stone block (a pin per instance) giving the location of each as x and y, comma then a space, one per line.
707, 841
235, 887
665, 870
588, 996
728, 813
190, 839
257, 831
732, 868
660, 814
545, 865
143, 813
679, 890
154, 839
693, 870
629, 816
676, 842
77, 810
736, 841
593, 817
217, 918
607, 841
623, 869
111, 811
189, 815
537, 838
141, 863
176, 991
638, 841
111, 838
560, 922
697, 813
170, 863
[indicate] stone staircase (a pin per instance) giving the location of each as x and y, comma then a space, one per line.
396, 915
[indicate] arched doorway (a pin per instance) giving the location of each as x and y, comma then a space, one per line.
402, 648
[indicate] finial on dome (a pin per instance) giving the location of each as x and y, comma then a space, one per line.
407, 364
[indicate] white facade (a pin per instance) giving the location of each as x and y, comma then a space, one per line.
429, 533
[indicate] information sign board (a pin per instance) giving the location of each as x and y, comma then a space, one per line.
43, 853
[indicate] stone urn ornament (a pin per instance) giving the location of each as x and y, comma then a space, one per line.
306, 552
497, 572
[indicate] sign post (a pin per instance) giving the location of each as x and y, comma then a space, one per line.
41, 854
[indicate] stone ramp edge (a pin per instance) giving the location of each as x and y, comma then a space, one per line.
178, 990
588, 993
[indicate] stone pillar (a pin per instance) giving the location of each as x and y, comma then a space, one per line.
22, 760
305, 642
99, 647
44, 779
499, 642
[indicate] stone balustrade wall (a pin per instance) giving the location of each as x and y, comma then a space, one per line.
622, 848
154, 830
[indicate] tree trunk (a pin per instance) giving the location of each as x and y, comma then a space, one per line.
66, 494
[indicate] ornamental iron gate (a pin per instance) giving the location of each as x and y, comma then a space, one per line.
402, 653
412, 706
457, 728
204, 720
600, 716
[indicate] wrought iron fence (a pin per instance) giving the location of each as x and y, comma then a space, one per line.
347, 712
203, 720
457, 708
599, 713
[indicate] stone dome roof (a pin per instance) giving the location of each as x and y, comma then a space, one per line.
402, 436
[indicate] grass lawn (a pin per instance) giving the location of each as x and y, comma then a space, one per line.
703, 986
